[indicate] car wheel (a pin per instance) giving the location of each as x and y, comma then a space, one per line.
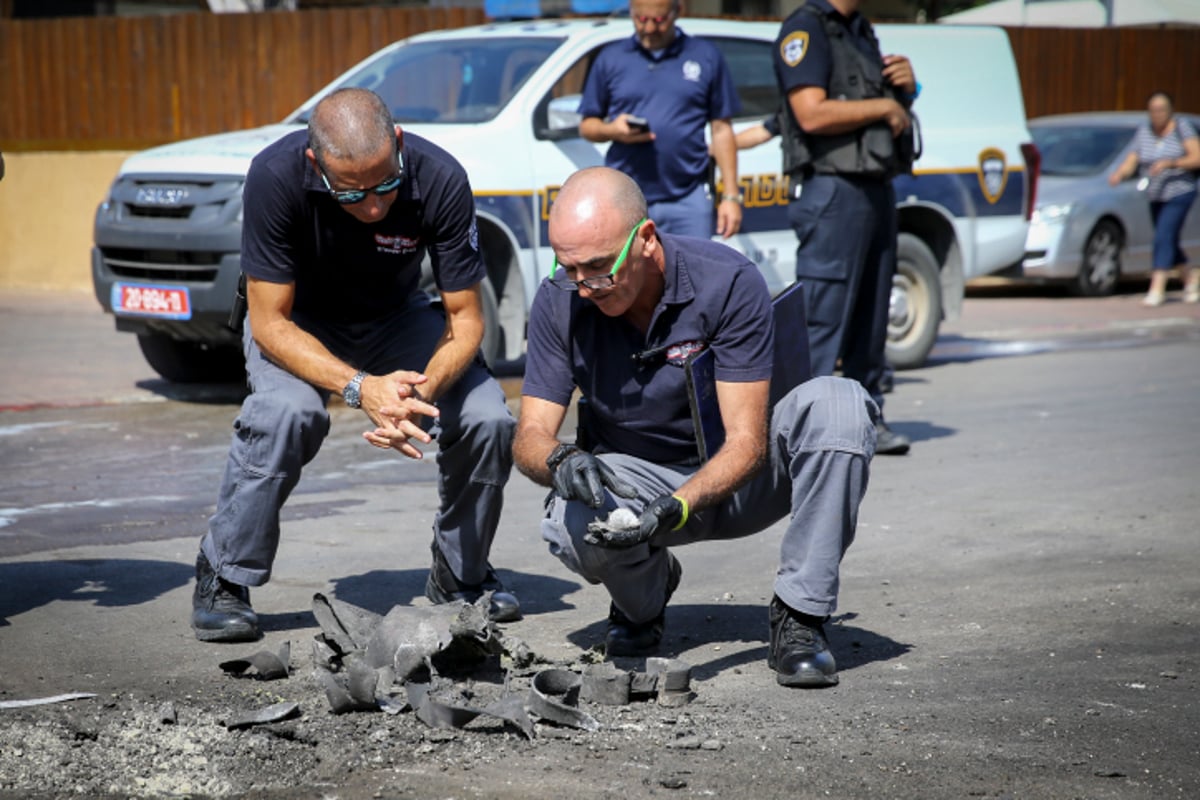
915, 307
1101, 268
192, 362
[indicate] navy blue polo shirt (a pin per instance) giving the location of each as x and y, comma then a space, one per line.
802, 53
678, 92
345, 270
713, 297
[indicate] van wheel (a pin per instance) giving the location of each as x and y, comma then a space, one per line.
492, 345
1101, 267
493, 337
915, 307
192, 362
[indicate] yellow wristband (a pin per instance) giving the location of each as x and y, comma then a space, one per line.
684, 520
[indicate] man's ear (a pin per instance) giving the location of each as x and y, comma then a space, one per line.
312, 159
399, 137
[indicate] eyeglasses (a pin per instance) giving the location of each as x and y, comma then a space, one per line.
641, 19
597, 282
349, 197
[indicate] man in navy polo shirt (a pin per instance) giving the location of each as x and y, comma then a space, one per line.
677, 84
617, 320
337, 219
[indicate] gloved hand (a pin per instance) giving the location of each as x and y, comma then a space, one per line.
667, 513
581, 476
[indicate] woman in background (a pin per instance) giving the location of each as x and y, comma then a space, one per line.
1166, 150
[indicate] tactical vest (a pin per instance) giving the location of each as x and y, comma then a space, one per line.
870, 150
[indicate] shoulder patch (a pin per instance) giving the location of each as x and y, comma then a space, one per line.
794, 47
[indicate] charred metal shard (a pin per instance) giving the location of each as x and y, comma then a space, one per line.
552, 695
268, 666
439, 713
360, 657
605, 684
42, 701
273, 713
345, 627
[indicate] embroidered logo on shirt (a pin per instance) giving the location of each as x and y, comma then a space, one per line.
677, 354
794, 47
398, 245
473, 236
691, 71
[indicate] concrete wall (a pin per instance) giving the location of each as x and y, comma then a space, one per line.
47, 202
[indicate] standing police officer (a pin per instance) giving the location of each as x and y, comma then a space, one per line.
846, 133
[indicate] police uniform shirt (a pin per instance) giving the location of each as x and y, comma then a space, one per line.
802, 53
345, 270
636, 385
678, 93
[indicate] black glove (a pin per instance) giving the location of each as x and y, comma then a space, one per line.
581, 476
667, 513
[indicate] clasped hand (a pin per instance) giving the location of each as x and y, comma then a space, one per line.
394, 404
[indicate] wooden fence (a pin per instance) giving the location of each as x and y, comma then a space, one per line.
102, 83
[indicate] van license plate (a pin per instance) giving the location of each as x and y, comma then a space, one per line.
139, 299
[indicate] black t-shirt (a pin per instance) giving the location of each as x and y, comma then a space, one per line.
345, 270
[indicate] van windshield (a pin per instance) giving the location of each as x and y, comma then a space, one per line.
451, 81
1079, 150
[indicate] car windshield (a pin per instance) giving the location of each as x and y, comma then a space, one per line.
1079, 150
449, 81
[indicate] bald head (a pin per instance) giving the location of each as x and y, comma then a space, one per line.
350, 125
597, 200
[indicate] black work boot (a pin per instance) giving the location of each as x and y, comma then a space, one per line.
443, 587
626, 638
798, 652
221, 610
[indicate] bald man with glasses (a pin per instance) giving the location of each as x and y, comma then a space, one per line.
618, 318
337, 221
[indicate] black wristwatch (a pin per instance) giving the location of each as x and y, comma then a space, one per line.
352, 394
559, 455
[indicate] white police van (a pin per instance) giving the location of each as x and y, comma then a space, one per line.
502, 98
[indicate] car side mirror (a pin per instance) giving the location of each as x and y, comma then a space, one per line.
562, 119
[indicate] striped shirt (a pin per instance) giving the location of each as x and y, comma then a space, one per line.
1150, 147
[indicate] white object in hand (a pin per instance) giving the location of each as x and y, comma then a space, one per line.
620, 519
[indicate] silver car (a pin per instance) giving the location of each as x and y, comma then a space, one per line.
1083, 230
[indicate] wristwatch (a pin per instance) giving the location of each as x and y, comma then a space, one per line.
352, 394
738, 198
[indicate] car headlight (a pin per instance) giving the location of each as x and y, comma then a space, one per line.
1051, 213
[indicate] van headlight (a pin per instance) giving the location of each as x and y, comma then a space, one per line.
1052, 213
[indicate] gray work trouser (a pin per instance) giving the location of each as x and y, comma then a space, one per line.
822, 440
284, 421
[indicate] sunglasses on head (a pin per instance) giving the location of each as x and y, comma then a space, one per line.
349, 197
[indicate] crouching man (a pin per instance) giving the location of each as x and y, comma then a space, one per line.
623, 307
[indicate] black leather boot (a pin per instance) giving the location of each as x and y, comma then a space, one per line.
221, 610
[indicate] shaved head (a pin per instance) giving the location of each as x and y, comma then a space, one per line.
350, 125
598, 200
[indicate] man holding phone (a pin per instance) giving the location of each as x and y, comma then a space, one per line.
651, 96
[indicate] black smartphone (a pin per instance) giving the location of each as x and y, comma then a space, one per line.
638, 123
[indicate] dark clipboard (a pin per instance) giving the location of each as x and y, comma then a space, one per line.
793, 367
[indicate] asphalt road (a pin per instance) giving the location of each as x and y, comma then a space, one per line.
1019, 614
